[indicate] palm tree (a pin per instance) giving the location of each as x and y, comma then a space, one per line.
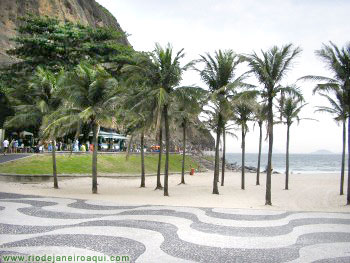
91, 96
338, 62
260, 116
42, 88
338, 108
164, 72
219, 75
143, 72
169, 73
242, 113
188, 105
290, 110
270, 69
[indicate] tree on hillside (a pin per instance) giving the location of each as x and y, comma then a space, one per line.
337, 61
43, 89
91, 96
53, 45
187, 106
270, 68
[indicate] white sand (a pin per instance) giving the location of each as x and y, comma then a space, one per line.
308, 192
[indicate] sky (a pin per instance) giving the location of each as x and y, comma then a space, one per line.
245, 26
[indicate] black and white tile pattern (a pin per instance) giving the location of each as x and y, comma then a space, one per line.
41, 225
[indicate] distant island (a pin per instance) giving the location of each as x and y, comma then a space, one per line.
322, 152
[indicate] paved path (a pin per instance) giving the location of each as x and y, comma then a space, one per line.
11, 157
31, 225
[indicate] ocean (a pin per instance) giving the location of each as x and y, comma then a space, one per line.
298, 163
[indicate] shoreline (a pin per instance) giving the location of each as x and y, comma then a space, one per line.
319, 192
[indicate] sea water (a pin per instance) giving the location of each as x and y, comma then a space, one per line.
298, 163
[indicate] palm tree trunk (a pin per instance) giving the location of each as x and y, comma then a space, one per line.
143, 178
343, 159
243, 159
217, 158
54, 168
259, 156
183, 152
269, 157
223, 157
159, 184
167, 142
287, 159
95, 131
129, 147
348, 193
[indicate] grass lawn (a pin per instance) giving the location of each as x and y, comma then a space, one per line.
81, 164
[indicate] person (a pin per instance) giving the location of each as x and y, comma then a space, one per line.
83, 148
21, 147
87, 146
15, 145
76, 146
5, 145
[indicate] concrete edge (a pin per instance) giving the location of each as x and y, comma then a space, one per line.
89, 175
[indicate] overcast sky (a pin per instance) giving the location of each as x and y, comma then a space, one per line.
243, 26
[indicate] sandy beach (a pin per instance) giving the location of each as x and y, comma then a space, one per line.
308, 192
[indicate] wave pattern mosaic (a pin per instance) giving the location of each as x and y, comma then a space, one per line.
31, 225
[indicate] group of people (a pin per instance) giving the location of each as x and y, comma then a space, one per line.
15, 146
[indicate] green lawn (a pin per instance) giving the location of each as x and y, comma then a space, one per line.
81, 164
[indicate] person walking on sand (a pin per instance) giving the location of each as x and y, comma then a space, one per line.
5, 145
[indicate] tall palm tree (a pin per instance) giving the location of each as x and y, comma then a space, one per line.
260, 116
338, 108
188, 105
242, 113
219, 75
169, 73
270, 69
91, 96
290, 110
143, 72
164, 71
42, 88
337, 60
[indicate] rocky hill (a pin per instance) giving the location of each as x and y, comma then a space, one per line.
87, 12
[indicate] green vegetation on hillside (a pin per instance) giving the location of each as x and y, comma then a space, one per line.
81, 164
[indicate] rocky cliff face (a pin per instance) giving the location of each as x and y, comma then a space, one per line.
87, 12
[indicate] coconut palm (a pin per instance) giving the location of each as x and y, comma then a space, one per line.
227, 130
338, 62
219, 75
187, 106
91, 96
169, 73
260, 116
138, 117
290, 110
242, 113
338, 107
164, 72
270, 69
143, 72
42, 89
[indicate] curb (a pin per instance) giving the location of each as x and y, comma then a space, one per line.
120, 176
